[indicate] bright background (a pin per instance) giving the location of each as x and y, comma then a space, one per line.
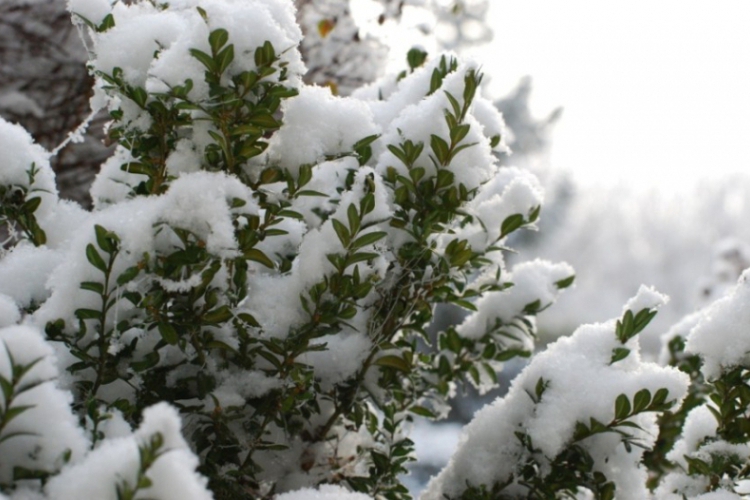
653, 91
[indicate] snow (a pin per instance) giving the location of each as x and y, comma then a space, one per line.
342, 358
317, 125
720, 494
534, 280
116, 461
49, 428
646, 298
680, 329
20, 155
699, 425
92, 10
113, 185
415, 120
9, 313
581, 384
623, 238
720, 337
239, 386
325, 492
150, 43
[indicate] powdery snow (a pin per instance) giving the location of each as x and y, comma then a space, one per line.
581, 384
116, 461
721, 337
324, 492
47, 429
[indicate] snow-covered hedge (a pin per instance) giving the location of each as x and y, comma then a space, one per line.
244, 313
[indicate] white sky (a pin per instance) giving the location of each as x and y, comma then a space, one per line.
654, 91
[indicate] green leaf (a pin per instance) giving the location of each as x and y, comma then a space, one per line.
353, 216
264, 120
105, 239
245, 129
510, 224
342, 232
622, 407
460, 148
660, 397
310, 192
249, 319
7, 388
225, 58
453, 340
305, 174
149, 361
607, 492
509, 354
348, 312
265, 55
435, 81
416, 174
218, 315
362, 143
541, 386
458, 133
566, 282
444, 178
534, 213
368, 239
597, 426
258, 256
382, 463
136, 168
168, 333
128, 275
39, 237
139, 96
642, 319
618, 354
205, 59
217, 39
367, 204
474, 373
396, 362
398, 153
290, 214
360, 257
92, 286
464, 304
532, 307
95, 259
31, 205
422, 411
471, 82
641, 400
416, 57
107, 23
626, 326
454, 104
440, 149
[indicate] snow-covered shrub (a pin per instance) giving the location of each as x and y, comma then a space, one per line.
711, 453
244, 313
577, 418
265, 257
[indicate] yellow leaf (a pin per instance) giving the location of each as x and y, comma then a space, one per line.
325, 27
